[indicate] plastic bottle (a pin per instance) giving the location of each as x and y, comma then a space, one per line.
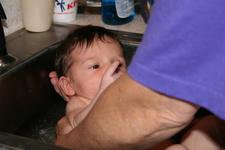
117, 12
65, 11
37, 14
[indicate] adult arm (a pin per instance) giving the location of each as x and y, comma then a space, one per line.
129, 116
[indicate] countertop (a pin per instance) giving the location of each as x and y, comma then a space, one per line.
137, 25
23, 44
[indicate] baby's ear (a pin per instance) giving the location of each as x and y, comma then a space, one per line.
66, 86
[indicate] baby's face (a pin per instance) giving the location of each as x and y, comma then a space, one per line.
89, 65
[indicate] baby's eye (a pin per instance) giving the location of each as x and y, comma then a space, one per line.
94, 66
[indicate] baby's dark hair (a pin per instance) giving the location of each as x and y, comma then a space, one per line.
82, 37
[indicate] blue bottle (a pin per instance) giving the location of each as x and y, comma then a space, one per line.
117, 12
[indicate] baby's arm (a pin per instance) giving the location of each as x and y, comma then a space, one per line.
73, 107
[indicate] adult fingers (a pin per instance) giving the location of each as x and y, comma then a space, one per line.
54, 81
113, 69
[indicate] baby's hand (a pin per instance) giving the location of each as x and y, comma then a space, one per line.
74, 107
76, 104
111, 74
63, 126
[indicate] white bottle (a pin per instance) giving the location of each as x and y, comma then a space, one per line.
124, 8
65, 11
37, 14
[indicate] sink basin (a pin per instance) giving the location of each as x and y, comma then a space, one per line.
41, 125
29, 106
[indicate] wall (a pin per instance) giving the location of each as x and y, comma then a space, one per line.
14, 17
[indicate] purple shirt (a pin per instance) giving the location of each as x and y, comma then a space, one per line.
183, 52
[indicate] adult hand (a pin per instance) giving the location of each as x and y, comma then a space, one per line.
111, 74
55, 82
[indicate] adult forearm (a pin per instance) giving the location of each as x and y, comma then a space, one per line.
129, 116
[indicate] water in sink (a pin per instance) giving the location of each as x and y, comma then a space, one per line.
42, 126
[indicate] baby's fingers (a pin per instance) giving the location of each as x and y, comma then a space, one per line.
54, 80
63, 127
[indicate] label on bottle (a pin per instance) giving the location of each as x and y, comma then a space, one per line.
65, 10
124, 8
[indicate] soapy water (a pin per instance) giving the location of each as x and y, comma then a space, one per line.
47, 135
45, 131
7, 147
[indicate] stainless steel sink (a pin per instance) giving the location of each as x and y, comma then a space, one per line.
29, 106
41, 125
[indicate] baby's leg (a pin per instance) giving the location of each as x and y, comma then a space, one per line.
177, 147
163, 145
208, 133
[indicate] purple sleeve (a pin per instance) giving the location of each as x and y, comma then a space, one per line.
183, 52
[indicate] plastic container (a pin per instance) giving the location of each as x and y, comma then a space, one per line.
65, 11
117, 12
37, 14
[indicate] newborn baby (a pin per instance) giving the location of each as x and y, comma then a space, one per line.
88, 60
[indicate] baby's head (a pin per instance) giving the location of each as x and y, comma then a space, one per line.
83, 57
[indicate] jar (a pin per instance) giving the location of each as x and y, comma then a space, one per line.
117, 12
37, 14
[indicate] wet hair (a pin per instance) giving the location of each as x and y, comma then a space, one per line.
83, 37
